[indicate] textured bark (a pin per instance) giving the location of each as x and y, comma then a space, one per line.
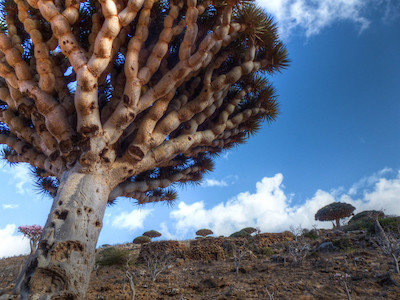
159, 89
61, 267
337, 223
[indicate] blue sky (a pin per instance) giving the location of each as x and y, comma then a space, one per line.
337, 138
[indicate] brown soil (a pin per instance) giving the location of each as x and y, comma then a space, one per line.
204, 269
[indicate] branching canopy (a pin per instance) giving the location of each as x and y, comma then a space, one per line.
334, 211
147, 91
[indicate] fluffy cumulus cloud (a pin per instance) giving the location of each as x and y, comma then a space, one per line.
313, 15
381, 194
19, 176
12, 243
270, 208
131, 220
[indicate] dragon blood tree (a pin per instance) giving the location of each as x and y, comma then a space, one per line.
33, 233
334, 212
124, 98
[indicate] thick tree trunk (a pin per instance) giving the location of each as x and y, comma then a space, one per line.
61, 266
337, 223
33, 247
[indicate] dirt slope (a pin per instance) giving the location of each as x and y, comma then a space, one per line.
204, 269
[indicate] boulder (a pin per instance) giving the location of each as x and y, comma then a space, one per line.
326, 247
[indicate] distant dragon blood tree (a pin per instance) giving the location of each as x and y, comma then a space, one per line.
334, 212
152, 234
33, 233
204, 232
124, 98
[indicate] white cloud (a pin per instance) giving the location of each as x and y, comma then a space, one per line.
10, 206
270, 208
166, 234
214, 182
131, 220
314, 15
19, 177
369, 181
382, 195
229, 180
11, 244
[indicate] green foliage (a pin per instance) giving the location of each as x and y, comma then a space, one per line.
367, 215
241, 233
361, 224
344, 244
249, 230
204, 232
368, 224
390, 223
141, 240
267, 251
113, 257
311, 234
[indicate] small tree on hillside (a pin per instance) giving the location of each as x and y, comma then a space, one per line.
33, 232
140, 240
119, 258
367, 215
156, 260
152, 234
389, 243
124, 98
204, 232
334, 212
296, 231
249, 230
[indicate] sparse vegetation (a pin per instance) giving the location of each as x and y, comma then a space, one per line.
389, 242
298, 251
141, 240
112, 256
310, 234
296, 231
366, 221
267, 251
367, 215
249, 230
241, 234
344, 244
156, 261
169, 268
239, 249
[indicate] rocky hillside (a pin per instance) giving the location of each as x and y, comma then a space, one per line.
315, 266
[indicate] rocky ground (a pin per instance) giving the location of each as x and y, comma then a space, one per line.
205, 269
